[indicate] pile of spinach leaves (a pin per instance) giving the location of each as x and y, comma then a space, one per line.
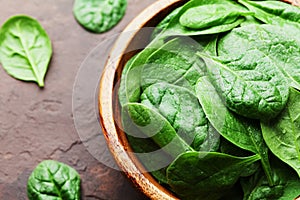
212, 105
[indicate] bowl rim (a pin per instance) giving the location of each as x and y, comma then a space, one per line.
129, 164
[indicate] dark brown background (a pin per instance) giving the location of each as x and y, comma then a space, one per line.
37, 124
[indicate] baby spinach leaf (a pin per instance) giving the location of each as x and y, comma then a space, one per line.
286, 184
99, 15
206, 14
282, 134
164, 23
25, 49
212, 174
175, 62
175, 28
122, 88
145, 149
154, 160
274, 12
53, 180
156, 127
254, 49
182, 109
244, 133
130, 85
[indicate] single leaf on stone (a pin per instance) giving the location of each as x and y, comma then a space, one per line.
52, 180
99, 15
25, 49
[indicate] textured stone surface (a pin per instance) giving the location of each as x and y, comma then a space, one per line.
37, 124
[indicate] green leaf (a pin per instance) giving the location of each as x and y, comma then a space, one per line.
130, 85
206, 175
175, 28
156, 127
183, 111
244, 133
282, 134
286, 184
206, 15
52, 180
25, 49
99, 15
162, 25
175, 62
255, 66
274, 12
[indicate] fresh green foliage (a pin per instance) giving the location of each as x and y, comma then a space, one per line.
52, 180
211, 13
254, 49
212, 25
274, 12
181, 108
164, 23
99, 15
282, 134
212, 174
167, 65
244, 133
286, 184
200, 112
158, 128
25, 49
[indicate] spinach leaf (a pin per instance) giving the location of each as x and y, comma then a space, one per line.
130, 85
53, 180
25, 49
244, 133
175, 28
164, 23
286, 184
206, 15
274, 12
175, 62
282, 134
99, 15
258, 47
155, 126
150, 155
146, 150
212, 174
183, 111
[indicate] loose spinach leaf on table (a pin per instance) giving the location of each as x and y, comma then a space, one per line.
282, 134
175, 62
156, 127
183, 111
53, 180
25, 49
99, 15
242, 132
212, 174
218, 25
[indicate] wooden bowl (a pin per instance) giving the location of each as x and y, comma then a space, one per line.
125, 47
133, 39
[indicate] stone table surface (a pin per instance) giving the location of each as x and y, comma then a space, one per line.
37, 124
